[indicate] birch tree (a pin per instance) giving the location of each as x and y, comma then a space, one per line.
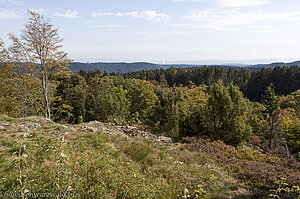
34, 57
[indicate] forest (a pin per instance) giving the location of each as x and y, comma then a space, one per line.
235, 106
204, 102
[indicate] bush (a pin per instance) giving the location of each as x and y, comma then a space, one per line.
226, 115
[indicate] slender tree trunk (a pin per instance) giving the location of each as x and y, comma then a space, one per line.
48, 98
45, 92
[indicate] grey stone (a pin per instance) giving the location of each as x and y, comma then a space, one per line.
88, 129
165, 140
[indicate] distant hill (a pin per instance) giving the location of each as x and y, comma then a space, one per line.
272, 65
120, 67
123, 67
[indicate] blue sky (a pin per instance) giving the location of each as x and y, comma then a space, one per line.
169, 31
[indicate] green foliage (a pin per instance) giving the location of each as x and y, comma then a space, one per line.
252, 81
171, 111
198, 94
107, 101
270, 100
283, 187
194, 125
13, 101
142, 98
292, 101
226, 115
291, 129
293, 140
70, 99
255, 116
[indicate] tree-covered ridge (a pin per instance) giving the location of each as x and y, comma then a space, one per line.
116, 67
251, 83
124, 67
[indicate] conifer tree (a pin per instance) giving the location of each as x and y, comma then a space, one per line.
270, 100
226, 115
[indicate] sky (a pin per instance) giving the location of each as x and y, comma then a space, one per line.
166, 31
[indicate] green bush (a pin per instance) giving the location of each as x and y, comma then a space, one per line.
226, 115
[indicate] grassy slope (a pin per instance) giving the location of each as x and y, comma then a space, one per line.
101, 165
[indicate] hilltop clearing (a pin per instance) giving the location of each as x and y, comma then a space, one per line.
98, 160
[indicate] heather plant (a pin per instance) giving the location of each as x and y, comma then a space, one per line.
256, 169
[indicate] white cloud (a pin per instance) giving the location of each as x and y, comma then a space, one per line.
68, 14
234, 20
236, 17
13, 2
231, 3
9, 14
267, 30
148, 15
108, 26
192, 27
241, 3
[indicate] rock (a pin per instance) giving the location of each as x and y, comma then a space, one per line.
129, 130
61, 125
143, 134
165, 140
88, 129
95, 126
134, 132
2, 128
124, 131
95, 123
28, 126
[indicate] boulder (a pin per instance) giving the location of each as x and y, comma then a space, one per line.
88, 129
164, 140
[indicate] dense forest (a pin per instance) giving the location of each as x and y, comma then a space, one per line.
178, 103
234, 106
251, 83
